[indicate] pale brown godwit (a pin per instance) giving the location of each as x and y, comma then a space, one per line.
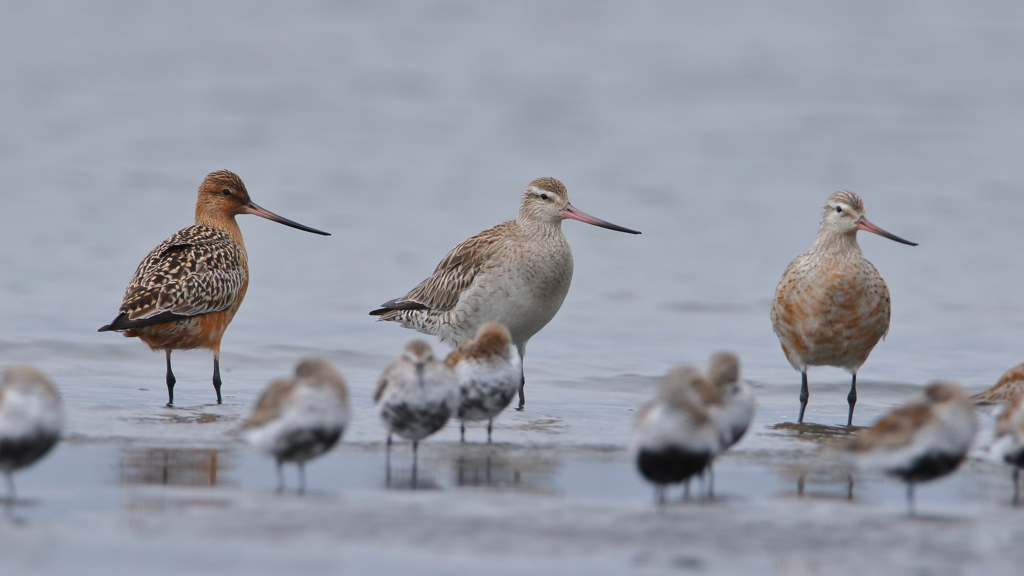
186, 291
1009, 385
489, 372
300, 418
516, 273
675, 436
31, 420
831, 306
922, 440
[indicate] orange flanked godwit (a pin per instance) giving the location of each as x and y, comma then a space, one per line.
31, 420
831, 306
516, 273
920, 441
298, 419
186, 291
1009, 385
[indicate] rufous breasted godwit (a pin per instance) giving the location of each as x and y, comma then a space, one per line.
1009, 438
489, 372
186, 291
300, 418
516, 273
31, 419
417, 394
675, 435
1009, 385
922, 440
831, 306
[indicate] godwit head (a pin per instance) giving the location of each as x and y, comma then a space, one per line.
831, 306
546, 201
222, 196
841, 218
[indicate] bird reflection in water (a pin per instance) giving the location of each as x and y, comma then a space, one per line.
176, 466
825, 484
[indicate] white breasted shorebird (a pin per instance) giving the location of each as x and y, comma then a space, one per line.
31, 420
831, 306
1009, 438
675, 436
1009, 385
489, 372
186, 291
516, 273
300, 418
416, 395
922, 440
732, 401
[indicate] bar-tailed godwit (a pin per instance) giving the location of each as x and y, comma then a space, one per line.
516, 273
186, 291
416, 395
31, 420
300, 418
675, 435
922, 440
489, 372
831, 306
1009, 385
1009, 438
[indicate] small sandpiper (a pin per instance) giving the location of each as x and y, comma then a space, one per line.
186, 291
1009, 438
416, 395
31, 420
831, 306
1009, 385
922, 440
674, 435
300, 418
489, 372
516, 273
732, 402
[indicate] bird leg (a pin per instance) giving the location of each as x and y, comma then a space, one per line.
804, 394
522, 395
302, 477
462, 432
9, 476
852, 399
489, 424
216, 376
415, 447
910, 500
170, 381
280, 476
1016, 485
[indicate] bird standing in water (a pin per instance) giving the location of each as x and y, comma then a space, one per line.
831, 306
516, 273
186, 291
31, 420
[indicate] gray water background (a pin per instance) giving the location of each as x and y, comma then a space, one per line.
717, 129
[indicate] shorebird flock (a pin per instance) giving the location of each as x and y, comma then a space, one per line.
487, 298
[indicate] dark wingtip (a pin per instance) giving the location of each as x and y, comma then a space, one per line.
106, 328
396, 304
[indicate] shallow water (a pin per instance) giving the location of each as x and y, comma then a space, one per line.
717, 129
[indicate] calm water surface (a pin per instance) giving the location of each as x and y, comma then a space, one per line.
717, 129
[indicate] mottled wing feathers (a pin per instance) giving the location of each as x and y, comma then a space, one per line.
199, 270
1009, 385
895, 430
453, 275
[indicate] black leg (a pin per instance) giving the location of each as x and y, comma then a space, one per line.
387, 462
522, 394
659, 495
1016, 485
415, 458
849, 487
216, 376
711, 482
489, 424
280, 476
686, 489
170, 381
851, 399
910, 500
462, 431
804, 395
302, 477
800, 484
9, 476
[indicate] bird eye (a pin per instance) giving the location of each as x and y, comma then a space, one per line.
839, 209
226, 192
543, 196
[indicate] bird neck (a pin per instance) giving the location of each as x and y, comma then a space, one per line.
224, 222
832, 243
538, 226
